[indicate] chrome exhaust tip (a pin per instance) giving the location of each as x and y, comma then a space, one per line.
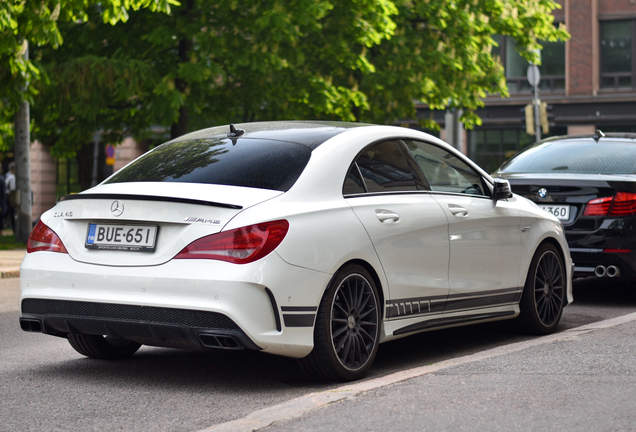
613, 271
599, 271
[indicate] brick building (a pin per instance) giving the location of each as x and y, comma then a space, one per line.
588, 82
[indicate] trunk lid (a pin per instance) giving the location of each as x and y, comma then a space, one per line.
181, 213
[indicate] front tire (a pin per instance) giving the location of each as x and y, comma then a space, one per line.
102, 347
543, 295
347, 329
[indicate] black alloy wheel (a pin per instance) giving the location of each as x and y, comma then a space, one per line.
544, 293
347, 330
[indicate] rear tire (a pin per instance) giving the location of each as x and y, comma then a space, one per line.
102, 347
347, 329
543, 295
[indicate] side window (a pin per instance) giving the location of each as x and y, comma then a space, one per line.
385, 169
444, 171
353, 182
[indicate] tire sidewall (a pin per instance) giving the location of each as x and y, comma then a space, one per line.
528, 300
325, 327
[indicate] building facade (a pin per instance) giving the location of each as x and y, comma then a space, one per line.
588, 83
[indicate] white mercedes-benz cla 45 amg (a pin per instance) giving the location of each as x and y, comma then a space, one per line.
312, 240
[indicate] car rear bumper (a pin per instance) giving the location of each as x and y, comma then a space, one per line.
596, 262
193, 304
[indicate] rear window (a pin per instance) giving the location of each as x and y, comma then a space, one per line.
575, 156
255, 163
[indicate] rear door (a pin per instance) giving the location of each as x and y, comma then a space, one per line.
407, 227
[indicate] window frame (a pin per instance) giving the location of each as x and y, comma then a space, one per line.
616, 76
521, 82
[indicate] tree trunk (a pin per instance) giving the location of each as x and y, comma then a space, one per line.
23, 168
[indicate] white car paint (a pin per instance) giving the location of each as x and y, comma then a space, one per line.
326, 231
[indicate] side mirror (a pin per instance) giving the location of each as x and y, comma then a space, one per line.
501, 190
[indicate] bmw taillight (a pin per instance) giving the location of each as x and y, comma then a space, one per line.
623, 204
43, 238
239, 246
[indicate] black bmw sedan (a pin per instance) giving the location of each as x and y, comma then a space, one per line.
589, 183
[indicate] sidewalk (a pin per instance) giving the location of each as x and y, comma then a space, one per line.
10, 263
580, 379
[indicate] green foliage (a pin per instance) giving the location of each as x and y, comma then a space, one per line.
36, 22
440, 55
216, 62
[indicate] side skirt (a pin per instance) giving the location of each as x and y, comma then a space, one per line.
452, 321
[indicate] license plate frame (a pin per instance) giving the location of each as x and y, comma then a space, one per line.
562, 212
121, 237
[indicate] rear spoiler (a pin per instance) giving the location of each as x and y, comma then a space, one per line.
147, 198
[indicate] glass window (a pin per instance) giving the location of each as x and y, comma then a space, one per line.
385, 169
616, 46
256, 163
552, 58
552, 65
353, 182
444, 171
576, 156
516, 66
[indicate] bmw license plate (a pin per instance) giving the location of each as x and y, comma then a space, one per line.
137, 238
560, 211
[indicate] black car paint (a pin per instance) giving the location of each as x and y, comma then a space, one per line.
587, 236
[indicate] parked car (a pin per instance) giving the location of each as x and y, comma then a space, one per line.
310, 240
589, 183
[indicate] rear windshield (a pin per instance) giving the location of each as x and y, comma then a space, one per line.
255, 163
575, 156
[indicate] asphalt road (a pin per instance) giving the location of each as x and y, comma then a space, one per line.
45, 385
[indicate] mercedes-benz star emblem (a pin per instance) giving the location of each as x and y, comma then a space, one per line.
117, 208
543, 192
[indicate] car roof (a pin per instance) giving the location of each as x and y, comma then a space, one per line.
308, 133
623, 136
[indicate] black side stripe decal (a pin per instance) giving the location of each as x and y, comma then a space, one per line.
400, 308
299, 308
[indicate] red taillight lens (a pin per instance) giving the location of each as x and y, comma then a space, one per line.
239, 246
43, 238
624, 204
598, 207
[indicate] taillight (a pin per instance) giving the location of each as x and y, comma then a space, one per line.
239, 246
598, 207
43, 238
623, 204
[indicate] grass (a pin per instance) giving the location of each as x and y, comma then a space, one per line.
8, 242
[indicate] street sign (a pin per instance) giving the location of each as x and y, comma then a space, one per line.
534, 76
110, 154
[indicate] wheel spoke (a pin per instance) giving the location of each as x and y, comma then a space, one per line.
354, 322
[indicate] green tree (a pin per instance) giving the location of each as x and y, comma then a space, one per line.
35, 23
440, 55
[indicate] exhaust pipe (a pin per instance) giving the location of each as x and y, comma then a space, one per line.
210, 340
30, 325
613, 271
599, 271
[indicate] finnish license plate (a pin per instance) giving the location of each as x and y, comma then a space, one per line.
137, 238
560, 211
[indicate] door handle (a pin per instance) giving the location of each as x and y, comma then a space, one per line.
386, 216
458, 210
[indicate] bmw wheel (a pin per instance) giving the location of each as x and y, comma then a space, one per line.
347, 329
543, 296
